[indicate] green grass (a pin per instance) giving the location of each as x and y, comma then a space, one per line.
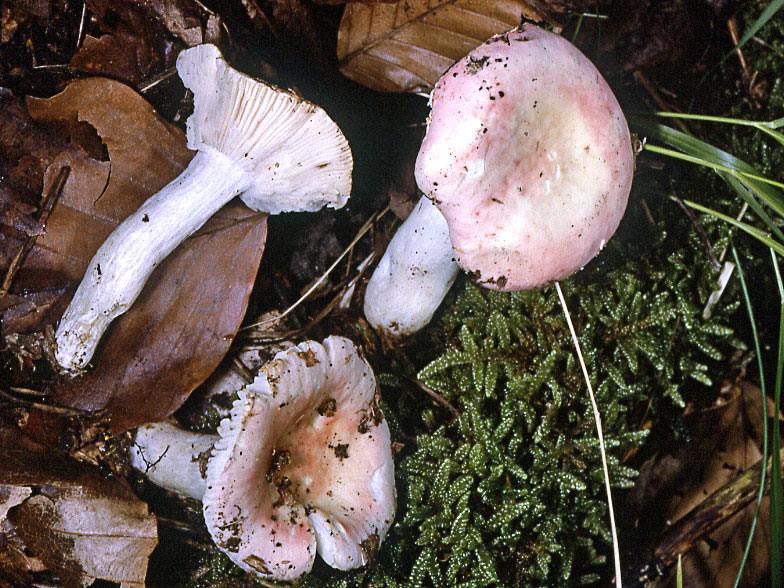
763, 196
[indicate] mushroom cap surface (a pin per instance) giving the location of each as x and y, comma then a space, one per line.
298, 156
528, 157
304, 464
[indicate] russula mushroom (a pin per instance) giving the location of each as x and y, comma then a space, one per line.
528, 158
304, 464
278, 152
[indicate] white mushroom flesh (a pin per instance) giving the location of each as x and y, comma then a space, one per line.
121, 266
173, 458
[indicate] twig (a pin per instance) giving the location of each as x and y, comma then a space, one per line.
26, 391
148, 464
701, 232
47, 407
643, 81
434, 395
603, 450
702, 520
157, 80
732, 26
80, 34
43, 215
268, 337
364, 229
648, 214
239, 368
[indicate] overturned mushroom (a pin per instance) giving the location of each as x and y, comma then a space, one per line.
278, 152
304, 464
528, 158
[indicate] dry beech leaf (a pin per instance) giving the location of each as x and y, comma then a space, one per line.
407, 45
65, 517
182, 324
726, 442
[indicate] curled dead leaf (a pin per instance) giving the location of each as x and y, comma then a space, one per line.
64, 517
725, 443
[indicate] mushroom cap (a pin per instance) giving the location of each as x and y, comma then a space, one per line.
528, 157
297, 155
304, 464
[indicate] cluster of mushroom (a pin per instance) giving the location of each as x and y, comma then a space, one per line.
276, 151
526, 168
303, 465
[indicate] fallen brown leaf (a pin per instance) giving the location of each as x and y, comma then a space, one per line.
725, 443
144, 154
355, 1
62, 516
406, 46
184, 321
25, 151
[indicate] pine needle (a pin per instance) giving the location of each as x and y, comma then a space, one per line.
364, 229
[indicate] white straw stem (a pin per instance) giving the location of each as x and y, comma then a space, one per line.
616, 551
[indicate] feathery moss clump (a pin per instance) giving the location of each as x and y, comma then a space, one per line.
511, 492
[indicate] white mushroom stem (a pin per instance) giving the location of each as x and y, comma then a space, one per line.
173, 458
119, 269
413, 277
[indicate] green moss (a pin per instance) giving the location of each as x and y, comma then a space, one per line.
511, 492
214, 569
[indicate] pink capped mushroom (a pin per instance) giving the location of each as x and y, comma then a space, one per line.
528, 158
303, 465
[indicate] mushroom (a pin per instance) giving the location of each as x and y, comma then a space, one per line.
528, 158
304, 464
277, 151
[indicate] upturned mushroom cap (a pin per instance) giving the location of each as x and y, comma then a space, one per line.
528, 157
298, 156
304, 464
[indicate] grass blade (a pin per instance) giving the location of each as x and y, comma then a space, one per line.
702, 150
776, 487
753, 231
758, 350
749, 196
769, 12
679, 573
714, 166
766, 127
